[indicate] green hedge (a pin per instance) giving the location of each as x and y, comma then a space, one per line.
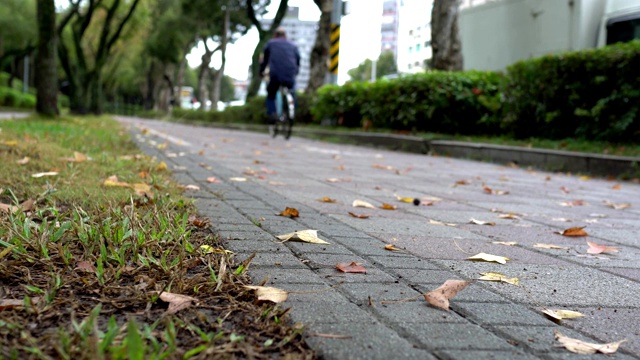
448, 102
15, 98
593, 94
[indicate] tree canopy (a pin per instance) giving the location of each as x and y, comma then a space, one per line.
385, 65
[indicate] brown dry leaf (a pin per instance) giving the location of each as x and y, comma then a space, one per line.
141, 189
461, 182
48, 173
327, 199
8, 304
494, 276
359, 216
290, 212
213, 179
361, 203
617, 206
83, 265
25, 160
489, 258
196, 221
616, 187
113, 181
206, 249
506, 243
440, 296
565, 189
26, 206
550, 246
391, 247
491, 191
386, 206
383, 167
573, 203
479, 222
310, 236
582, 347
266, 293
509, 216
77, 157
599, 249
574, 231
336, 180
351, 267
161, 167
177, 302
562, 314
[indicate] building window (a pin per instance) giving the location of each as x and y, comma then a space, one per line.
410, 49
417, 63
410, 32
427, 43
409, 66
417, 47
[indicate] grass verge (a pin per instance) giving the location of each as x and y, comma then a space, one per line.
122, 268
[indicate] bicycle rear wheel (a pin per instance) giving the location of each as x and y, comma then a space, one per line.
287, 113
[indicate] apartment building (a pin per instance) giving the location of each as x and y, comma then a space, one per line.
414, 36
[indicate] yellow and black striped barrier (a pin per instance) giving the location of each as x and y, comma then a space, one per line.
334, 50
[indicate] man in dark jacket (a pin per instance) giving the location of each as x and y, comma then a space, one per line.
283, 58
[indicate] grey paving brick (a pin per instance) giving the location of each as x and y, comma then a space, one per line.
499, 313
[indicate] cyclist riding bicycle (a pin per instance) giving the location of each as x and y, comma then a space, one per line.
283, 58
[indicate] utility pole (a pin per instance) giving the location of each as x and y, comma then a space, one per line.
334, 48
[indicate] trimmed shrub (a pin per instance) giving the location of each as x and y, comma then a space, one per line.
590, 94
15, 98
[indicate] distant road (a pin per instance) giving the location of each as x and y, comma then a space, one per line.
13, 115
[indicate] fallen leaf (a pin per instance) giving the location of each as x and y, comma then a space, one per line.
561, 219
113, 181
573, 203
359, 216
386, 206
585, 178
206, 249
562, 314
351, 267
192, 187
327, 199
489, 190
290, 212
77, 157
49, 173
436, 222
267, 293
8, 304
391, 247
238, 179
616, 187
83, 265
440, 296
383, 167
494, 276
551, 246
25, 160
599, 249
509, 216
461, 182
26, 206
361, 203
564, 189
617, 206
161, 167
141, 189
479, 222
582, 347
162, 146
213, 179
335, 180
196, 221
10, 142
489, 258
506, 243
177, 302
310, 236
574, 231
405, 199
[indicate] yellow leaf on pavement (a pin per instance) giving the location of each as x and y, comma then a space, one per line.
386, 206
489, 258
290, 212
362, 203
582, 347
391, 247
310, 236
494, 276
550, 246
327, 199
266, 293
562, 314
404, 199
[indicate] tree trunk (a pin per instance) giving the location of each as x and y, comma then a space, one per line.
320, 52
149, 98
202, 75
445, 35
46, 65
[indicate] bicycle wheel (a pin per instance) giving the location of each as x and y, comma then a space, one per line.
287, 113
274, 127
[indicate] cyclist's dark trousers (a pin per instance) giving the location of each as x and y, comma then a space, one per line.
272, 89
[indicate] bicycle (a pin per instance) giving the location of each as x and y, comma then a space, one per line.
285, 112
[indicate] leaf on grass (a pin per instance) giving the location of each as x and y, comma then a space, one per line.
267, 293
440, 296
582, 347
8, 304
77, 157
48, 173
550, 246
310, 236
213, 179
491, 191
573, 203
479, 222
327, 199
196, 221
161, 167
25, 160
177, 302
361, 203
386, 206
28, 205
113, 181
206, 249
599, 249
351, 267
83, 265
574, 231
506, 243
489, 258
359, 216
141, 189
494, 276
391, 247
562, 314
290, 212
617, 206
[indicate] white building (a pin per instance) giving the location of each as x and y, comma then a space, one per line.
389, 27
303, 34
414, 36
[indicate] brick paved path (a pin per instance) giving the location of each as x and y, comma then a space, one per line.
487, 320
